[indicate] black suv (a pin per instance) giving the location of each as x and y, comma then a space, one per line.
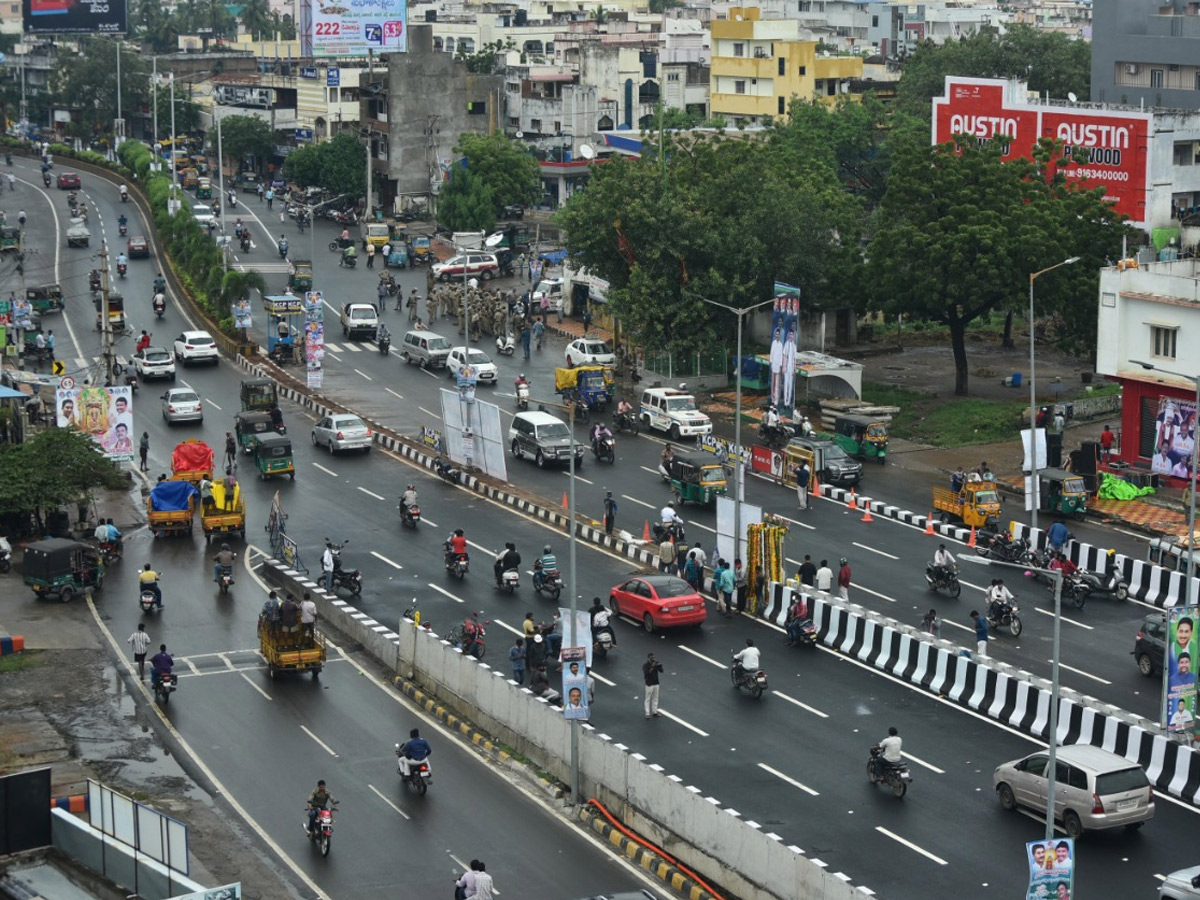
1150, 644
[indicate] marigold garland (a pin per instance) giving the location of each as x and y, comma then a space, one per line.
765, 545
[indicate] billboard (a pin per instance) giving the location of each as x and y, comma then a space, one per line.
785, 319
1179, 713
1116, 142
74, 16
105, 414
1174, 437
1051, 869
333, 28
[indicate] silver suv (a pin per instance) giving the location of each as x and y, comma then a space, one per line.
543, 437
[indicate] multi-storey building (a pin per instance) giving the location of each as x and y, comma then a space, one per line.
1146, 53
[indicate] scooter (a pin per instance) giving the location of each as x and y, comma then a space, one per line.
410, 516
420, 776
124, 196
673, 531
46, 179
943, 578
506, 345
322, 834
548, 583
893, 775
447, 472
456, 564
385, 345
160, 306
283, 249
225, 579
164, 686
131, 381
510, 580
122, 268
147, 601
1110, 583
522, 395
348, 262
602, 642
351, 579
123, 230
755, 683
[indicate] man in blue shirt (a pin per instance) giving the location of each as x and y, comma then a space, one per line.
1058, 536
981, 634
161, 664
415, 749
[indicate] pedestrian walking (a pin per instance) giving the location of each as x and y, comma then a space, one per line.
516, 656
231, 448
259, 191
824, 578
610, 512
522, 271
587, 318
803, 473
666, 555
844, 580
693, 574
270, 197
382, 293
1106, 444
726, 586
981, 634
651, 669
370, 255
526, 335
140, 641
931, 624
144, 450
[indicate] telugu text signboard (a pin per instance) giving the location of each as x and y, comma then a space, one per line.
345, 28
1116, 142
74, 16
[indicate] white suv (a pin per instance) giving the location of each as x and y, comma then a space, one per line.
674, 412
196, 346
154, 362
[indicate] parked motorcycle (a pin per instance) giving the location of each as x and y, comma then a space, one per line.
420, 776
1004, 615
164, 686
522, 395
605, 449
548, 583
447, 472
999, 546
1110, 584
322, 834
457, 564
351, 579
943, 578
754, 682
625, 422
506, 345
775, 435
410, 516
5, 559
469, 636
894, 775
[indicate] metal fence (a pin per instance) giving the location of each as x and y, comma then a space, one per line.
687, 365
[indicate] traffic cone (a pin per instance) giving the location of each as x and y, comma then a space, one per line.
646, 532
866, 513
971, 542
853, 504
929, 523
565, 503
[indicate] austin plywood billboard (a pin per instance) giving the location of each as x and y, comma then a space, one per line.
74, 16
1116, 143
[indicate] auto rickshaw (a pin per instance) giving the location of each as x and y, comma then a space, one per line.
592, 384
10, 238
862, 436
273, 456
977, 504
258, 393
300, 275
698, 478
398, 258
421, 250
399, 231
116, 313
203, 188
189, 177
249, 426
1062, 493
45, 298
59, 568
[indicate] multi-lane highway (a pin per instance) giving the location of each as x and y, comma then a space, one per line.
794, 762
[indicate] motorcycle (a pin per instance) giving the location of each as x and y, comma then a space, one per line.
894, 775
602, 642
1004, 615
124, 196
160, 306
246, 244
1001, 547
410, 516
351, 579
131, 381
522, 395
943, 578
225, 579
468, 636
550, 583
420, 776
776, 435
386, 278
110, 552
625, 422
281, 355
147, 601
5, 560
447, 472
1111, 584
283, 249
673, 531
754, 682
385, 345
123, 230
164, 686
122, 268
605, 449
456, 563
323, 833
506, 345
46, 179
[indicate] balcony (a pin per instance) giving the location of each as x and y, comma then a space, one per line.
744, 67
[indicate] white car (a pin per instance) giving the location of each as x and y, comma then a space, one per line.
196, 346
485, 369
182, 405
474, 263
342, 432
552, 290
1181, 885
589, 352
154, 362
203, 214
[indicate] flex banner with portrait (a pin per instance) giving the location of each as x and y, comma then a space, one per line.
1179, 713
105, 414
1051, 869
785, 332
1174, 436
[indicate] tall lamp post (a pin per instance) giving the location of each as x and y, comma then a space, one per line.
1189, 599
1033, 462
1056, 579
737, 417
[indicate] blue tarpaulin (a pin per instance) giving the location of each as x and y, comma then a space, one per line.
172, 496
554, 257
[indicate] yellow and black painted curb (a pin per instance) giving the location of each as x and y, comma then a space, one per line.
451, 720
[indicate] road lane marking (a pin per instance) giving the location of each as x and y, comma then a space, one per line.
364, 375
320, 743
325, 470
636, 500
429, 521
601, 678
393, 393
379, 794
481, 548
859, 587
446, 593
651, 471
873, 550
1050, 613
578, 477
353, 348
191, 665
517, 631
704, 527
380, 556
266, 696
698, 655
911, 846
801, 524
1081, 672
210, 403
792, 781
920, 762
370, 493
428, 413
679, 721
804, 706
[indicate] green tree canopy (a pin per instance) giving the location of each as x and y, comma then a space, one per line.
505, 166
851, 137
88, 82
338, 165
466, 203
187, 111
488, 59
52, 469
243, 136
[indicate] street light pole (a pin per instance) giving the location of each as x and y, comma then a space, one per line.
1033, 462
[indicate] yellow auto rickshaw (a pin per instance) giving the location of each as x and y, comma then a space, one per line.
977, 504
189, 177
697, 478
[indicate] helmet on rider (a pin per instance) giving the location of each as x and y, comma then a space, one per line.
842, 562
546, 549
458, 532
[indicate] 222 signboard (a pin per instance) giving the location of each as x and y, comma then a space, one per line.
1117, 143
343, 28
74, 16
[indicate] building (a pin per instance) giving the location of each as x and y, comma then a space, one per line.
759, 66
1152, 314
1146, 53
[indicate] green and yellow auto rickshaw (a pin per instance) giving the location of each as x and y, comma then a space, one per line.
10, 238
273, 456
250, 425
258, 393
300, 275
1062, 493
59, 568
698, 478
862, 436
203, 188
45, 298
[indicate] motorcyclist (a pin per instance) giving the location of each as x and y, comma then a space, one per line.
382, 333
415, 749
664, 466
124, 194
770, 420
942, 561
161, 664
600, 432
806, 427
149, 582
506, 559
159, 301
276, 416
122, 222
1061, 563
238, 227
889, 755
344, 238
21, 218
521, 380
224, 560
545, 565
998, 597
456, 547
160, 284
283, 246
796, 617
668, 516
122, 261
625, 411
745, 660
407, 499
318, 800
349, 254
600, 621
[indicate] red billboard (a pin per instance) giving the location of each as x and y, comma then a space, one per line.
1116, 142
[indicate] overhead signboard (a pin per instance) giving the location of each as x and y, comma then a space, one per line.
244, 95
1116, 142
74, 16
333, 29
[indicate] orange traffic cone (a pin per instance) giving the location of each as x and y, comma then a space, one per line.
929, 523
646, 531
853, 504
565, 503
971, 542
866, 513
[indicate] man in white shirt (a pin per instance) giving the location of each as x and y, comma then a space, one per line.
308, 614
667, 515
746, 659
824, 579
943, 560
890, 747
1181, 719
327, 568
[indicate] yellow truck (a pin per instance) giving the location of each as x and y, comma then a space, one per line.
977, 504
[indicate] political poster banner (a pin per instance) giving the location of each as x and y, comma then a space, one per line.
1179, 713
74, 16
335, 28
785, 322
575, 683
1051, 869
1174, 437
468, 376
105, 414
242, 314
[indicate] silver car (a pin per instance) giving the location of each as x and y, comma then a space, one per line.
485, 369
342, 432
182, 405
1094, 789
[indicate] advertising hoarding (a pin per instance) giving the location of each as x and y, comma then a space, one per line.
74, 16
1116, 142
332, 29
1179, 714
1051, 869
105, 414
1174, 437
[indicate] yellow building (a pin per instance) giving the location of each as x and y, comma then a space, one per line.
760, 65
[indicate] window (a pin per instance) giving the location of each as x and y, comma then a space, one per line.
1156, 78
1163, 341
477, 108
739, 87
782, 66
739, 49
874, 21
1198, 81
782, 106
1184, 153
535, 125
803, 71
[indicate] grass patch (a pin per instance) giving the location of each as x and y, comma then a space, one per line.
18, 662
944, 422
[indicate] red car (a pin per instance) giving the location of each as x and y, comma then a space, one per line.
138, 247
69, 181
658, 601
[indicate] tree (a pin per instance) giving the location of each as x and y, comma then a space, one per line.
52, 469
505, 166
338, 165
187, 111
658, 7
258, 20
87, 81
488, 59
851, 136
244, 136
466, 203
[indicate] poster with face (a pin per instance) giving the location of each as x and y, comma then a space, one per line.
105, 414
1051, 869
1174, 437
1180, 701
574, 687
